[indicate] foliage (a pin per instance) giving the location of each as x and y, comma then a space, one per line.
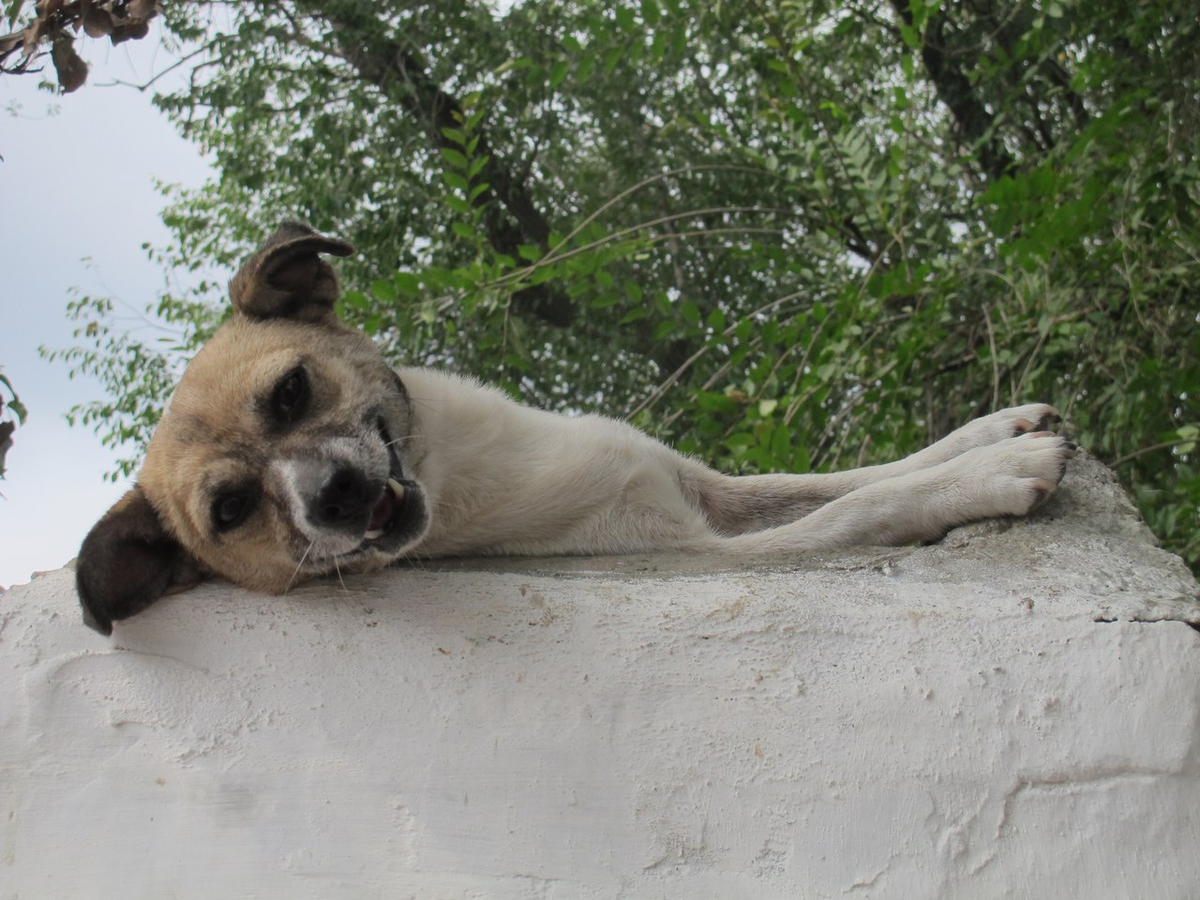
9, 404
783, 234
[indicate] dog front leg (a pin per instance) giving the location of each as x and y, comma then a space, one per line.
739, 504
1006, 479
742, 504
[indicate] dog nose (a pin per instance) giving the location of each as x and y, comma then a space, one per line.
345, 499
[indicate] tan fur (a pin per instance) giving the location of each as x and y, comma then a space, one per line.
210, 433
478, 474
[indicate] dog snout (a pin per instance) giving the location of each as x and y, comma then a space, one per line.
345, 501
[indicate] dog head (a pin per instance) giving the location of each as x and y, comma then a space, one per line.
282, 454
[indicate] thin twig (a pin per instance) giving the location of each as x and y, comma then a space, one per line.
987, 318
1144, 450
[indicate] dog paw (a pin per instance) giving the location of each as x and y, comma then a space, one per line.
1017, 420
1012, 477
1018, 474
999, 426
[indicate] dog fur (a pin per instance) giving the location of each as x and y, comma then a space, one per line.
290, 450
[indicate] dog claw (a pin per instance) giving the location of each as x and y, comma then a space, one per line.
1047, 423
1042, 489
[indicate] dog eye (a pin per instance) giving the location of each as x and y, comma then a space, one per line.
230, 510
290, 399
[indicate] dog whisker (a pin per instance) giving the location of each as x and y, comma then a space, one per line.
429, 403
299, 566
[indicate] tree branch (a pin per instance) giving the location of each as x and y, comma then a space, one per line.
953, 87
400, 75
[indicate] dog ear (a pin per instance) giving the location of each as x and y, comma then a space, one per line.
127, 561
287, 278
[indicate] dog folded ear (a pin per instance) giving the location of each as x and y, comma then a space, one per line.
128, 561
287, 278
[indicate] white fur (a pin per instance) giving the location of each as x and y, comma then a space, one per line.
298, 478
501, 478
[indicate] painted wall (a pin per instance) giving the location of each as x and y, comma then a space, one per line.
1014, 712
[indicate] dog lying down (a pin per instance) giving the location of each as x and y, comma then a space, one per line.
291, 449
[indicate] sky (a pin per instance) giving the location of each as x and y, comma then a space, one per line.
75, 185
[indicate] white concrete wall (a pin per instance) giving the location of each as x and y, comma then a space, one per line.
948, 721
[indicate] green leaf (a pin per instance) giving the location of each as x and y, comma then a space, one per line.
477, 165
690, 312
781, 445
407, 283
709, 401
384, 289
661, 330
454, 158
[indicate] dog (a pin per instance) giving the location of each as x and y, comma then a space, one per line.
291, 449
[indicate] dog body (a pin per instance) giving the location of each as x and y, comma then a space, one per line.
291, 449
505, 479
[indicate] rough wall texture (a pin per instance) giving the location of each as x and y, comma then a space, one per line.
1014, 712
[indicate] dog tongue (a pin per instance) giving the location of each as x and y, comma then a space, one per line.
382, 513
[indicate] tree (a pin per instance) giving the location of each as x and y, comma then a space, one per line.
783, 235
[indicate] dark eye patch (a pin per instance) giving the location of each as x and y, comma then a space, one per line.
289, 400
231, 508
